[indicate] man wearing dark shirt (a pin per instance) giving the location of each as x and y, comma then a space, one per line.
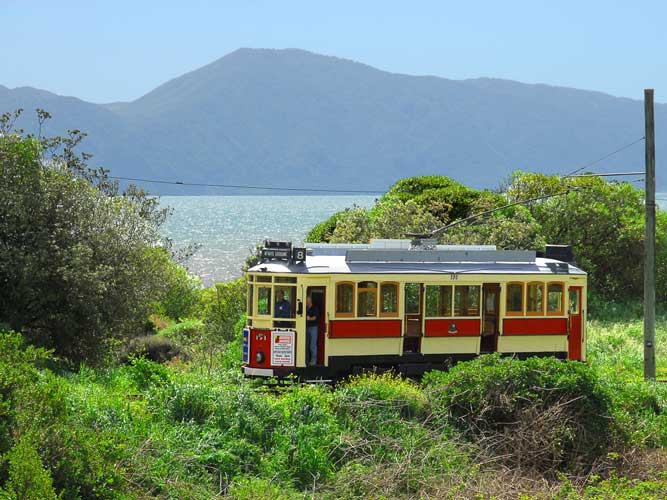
312, 324
283, 309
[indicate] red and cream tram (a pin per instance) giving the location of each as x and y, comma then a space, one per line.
390, 305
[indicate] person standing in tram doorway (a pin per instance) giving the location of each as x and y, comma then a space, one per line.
312, 322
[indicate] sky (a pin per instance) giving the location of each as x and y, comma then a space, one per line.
119, 50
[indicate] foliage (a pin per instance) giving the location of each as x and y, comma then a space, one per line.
603, 221
182, 296
80, 263
146, 373
222, 305
156, 348
323, 231
510, 229
558, 412
352, 226
441, 196
27, 477
148, 430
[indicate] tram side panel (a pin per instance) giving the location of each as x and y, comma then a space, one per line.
379, 341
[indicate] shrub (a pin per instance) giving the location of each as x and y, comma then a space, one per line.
542, 413
191, 403
371, 400
255, 488
305, 449
323, 231
28, 479
146, 373
155, 348
182, 298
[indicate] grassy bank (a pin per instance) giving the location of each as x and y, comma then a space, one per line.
486, 429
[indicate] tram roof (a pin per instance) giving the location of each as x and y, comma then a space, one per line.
350, 259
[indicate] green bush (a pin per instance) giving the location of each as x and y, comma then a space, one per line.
370, 401
542, 413
146, 373
28, 479
305, 450
182, 298
323, 231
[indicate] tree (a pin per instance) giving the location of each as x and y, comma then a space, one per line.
80, 262
223, 304
394, 219
604, 223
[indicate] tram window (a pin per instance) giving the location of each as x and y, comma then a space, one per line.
535, 299
263, 279
345, 299
285, 279
250, 297
466, 300
251, 277
438, 300
389, 299
264, 300
514, 301
412, 298
555, 298
367, 299
285, 302
574, 301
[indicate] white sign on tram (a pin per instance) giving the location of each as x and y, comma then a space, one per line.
282, 348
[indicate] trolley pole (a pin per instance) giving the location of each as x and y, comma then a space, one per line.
649, 241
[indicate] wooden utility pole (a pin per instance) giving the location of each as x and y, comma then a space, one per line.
649, 241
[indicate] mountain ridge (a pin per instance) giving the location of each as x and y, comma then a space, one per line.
290, 117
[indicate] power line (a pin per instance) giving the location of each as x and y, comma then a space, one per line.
245, 186
610, 174
606, 156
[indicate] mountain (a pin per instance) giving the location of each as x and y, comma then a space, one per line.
298, 119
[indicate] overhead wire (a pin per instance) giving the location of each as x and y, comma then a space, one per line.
590, 164
361, 191
248, 186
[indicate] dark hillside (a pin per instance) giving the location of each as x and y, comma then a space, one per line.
295, 118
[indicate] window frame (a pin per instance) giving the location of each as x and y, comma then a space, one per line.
394, 314
421, 291
570, 290
351, 314
367, 290
523, 298
560, 312
440, 288
479, 301
544, 302
270, 300
250, 300
292, 300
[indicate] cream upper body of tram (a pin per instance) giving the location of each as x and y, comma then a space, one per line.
388, 305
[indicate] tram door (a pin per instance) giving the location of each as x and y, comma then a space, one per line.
574, 312
413, 314
318, 294
490, 317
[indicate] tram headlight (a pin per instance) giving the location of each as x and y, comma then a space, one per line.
260, 357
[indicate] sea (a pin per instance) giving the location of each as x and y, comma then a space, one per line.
228, 228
